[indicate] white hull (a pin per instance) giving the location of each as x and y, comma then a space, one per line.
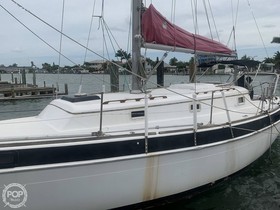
116, 182
109, 150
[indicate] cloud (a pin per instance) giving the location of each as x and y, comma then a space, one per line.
269, 26
17, 50
19, 42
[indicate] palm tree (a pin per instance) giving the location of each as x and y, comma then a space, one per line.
277, 59
268, 60
123, 55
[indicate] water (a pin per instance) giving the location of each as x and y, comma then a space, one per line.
91, 83
255, 188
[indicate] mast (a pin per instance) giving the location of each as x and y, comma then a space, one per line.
136, 43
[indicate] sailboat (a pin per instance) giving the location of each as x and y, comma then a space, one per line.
111, 150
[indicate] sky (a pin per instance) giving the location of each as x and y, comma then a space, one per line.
256, 23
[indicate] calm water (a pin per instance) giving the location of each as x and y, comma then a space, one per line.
257, 187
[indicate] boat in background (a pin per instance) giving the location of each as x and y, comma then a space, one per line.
110, 150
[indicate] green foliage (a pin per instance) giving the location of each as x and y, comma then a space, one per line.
50, 68
275, 59
268, 60
151, 62
14, 65
173, 61
181, 65
247, 58
123, 55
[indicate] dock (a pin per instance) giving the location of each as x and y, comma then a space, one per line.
17, 91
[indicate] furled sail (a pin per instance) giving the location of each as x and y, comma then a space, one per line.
159, 33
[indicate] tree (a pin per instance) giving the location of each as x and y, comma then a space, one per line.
14, 65
55, 67
277, 59
268, 60
173, 61
181, 64
150, 62
123, 55
246, 58
47, 67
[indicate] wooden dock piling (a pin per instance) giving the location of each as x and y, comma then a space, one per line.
21, 90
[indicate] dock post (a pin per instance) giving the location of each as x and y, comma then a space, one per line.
193, 70
16, 82
44, 83
34, 78
23, 77
12, 75
114, 78
57, 87
66, 89
13, 92
160, 74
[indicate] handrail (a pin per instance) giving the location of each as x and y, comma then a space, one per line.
134, 99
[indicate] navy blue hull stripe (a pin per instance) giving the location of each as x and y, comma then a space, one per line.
93, 151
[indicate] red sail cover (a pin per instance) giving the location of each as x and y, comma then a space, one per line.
158, 30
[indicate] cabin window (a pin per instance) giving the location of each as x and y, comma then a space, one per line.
137, 114
241, 100
198, 107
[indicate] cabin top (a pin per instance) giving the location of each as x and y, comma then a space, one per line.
115, 101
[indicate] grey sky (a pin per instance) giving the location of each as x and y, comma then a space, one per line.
20, 46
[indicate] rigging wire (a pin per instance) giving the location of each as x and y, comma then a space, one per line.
194, 15
46, 23
87, 45
175, 92
61, 37
214, 22
173, 21
207, 17
232, 12
113, 42
60, 45
173, 5
44, 41
195, 23
235, 24
90, 27
24, 25
103, 34
129, 44
67, 36
249, 4
81, 45
60, 50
